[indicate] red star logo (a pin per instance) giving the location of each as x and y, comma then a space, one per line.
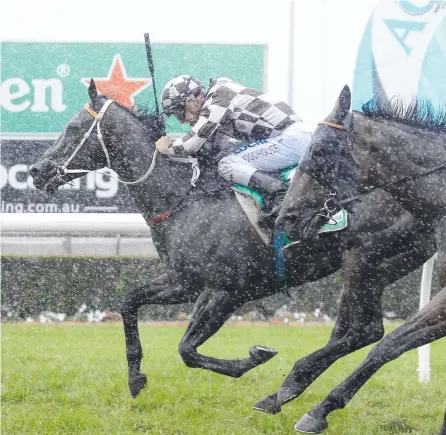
117, 85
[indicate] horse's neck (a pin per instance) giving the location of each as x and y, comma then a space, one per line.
166, 186
131, 158
412, 148
168, 183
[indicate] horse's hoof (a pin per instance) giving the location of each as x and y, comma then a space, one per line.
137, 383
262, 354
268, 405
309, 424
286, 395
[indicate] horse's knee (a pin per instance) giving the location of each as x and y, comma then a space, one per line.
385, 351
377, 332
128, 302
358, 337
368, 334
163, 279
395, 343
188, 354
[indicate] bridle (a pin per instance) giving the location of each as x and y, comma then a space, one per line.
332, 205
63, 169
332, 125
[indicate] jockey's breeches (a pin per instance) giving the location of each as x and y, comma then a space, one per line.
268, 155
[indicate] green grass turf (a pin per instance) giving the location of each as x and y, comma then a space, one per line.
72, 379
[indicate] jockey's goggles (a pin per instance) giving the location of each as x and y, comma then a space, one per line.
178, 104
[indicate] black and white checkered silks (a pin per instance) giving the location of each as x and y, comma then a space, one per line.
175, 90
247, 112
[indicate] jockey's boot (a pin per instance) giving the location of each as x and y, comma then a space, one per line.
273, 192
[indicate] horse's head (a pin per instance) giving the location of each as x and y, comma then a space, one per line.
316, 175
78, 146
329, 139
301, 215
90, 141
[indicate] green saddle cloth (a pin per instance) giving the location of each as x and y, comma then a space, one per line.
338, 222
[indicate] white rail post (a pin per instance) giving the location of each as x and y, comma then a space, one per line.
424, 358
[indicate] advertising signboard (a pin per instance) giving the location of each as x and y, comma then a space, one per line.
45, 84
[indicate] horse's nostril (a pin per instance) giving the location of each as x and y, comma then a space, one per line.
33, 170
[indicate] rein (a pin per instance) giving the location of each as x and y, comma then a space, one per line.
355, 197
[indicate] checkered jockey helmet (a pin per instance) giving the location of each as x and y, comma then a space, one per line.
176, 92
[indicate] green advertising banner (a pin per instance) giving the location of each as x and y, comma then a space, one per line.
44, 84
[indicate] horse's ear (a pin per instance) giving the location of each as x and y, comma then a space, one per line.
342, 107
92, 91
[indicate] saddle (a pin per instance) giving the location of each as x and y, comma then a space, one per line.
253, 204
286, 175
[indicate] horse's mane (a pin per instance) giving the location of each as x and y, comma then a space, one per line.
152, 124
416, 112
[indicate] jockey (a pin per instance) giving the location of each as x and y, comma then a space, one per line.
274, 136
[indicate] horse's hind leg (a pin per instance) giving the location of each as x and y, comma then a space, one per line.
443, 429
164, 294
428, 325
440, 235
212, 309
441, 247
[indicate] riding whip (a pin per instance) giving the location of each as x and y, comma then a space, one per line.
151, 69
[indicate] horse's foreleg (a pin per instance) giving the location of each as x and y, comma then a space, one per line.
309, 368
360, 316
212, 309
359, 324
362, 298
343, 319
428, 325
166, 294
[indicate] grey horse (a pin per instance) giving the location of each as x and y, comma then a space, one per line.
392, 145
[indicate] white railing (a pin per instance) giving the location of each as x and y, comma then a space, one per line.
424, 357
73, 223
75, 234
